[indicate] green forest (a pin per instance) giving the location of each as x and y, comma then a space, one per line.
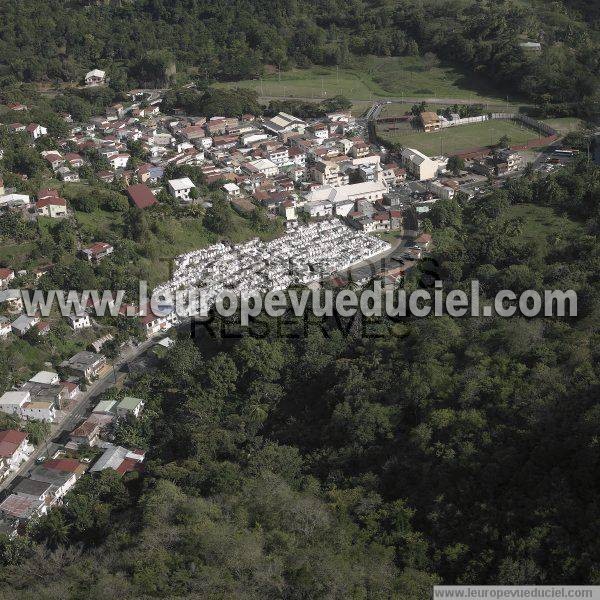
152, 42
327, 463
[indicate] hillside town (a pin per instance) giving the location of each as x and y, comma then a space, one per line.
335, 189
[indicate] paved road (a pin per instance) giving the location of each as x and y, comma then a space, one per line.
77, 413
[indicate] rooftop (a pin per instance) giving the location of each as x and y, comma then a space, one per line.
184, 183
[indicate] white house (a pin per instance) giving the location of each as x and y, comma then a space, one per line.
11, 402
445, 192
54, 208
181, 188
38, 411
279, 156
262, 165
95, 77
5, 327
23, 323
14, 200
119, 161
62, 481
6, 276
130, 406
284, 122
36, 131
79, 321
45, 377
418, 165
14, 450
232, 189
318, 208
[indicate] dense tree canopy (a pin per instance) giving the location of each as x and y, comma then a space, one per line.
352, 466
143, 42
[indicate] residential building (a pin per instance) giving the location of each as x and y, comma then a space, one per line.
141, 195
53, 208
510, 160
22, 508
67, 174
120, 459
284, 122
38, 411
87, 434
23, 323
130, 406
318, 208
181, 188
62, 481
6, 276
106, 407
40, 490
5, 327
78, 322
232, 190
86, 365
12, 299
14, 450
95, 77
97, 251
359, 149
119, 161
329, 173
262, 166
36, 131
418, 165
45, 378
431, 121
441, 190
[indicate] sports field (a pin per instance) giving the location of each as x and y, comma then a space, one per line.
371, 77
463, 137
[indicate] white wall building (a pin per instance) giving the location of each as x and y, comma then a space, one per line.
181, 188
78, 322
95, 77
420, 166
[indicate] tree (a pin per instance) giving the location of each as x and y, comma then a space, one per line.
456, 164
219, 218
430, 60
53, 529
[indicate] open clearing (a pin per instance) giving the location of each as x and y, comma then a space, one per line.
374, 77
463, 137
565, 125
541, 223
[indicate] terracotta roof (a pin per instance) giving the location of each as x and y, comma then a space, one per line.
12, 436
55, 201
70, 465
98, 247
47, 193
128, 464
141, 195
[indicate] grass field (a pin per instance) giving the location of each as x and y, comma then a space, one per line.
463, 137
14, 255
564, 125
540, 223
375, 77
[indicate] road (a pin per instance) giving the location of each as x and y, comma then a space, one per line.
72, 418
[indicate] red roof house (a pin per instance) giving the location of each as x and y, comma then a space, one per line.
141, 195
